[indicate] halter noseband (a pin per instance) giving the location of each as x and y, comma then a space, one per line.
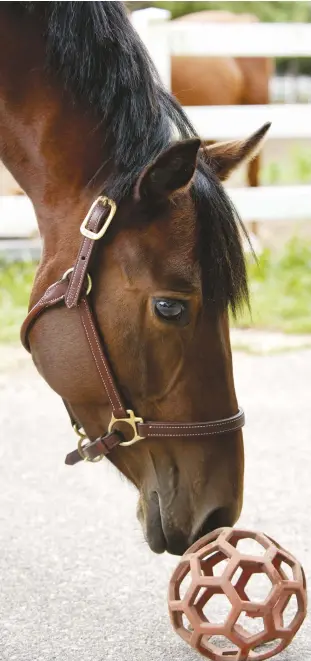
72, 291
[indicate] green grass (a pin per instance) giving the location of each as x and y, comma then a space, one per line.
15, 286
295, 168
280, 286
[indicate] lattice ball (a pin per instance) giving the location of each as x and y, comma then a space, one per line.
237, 595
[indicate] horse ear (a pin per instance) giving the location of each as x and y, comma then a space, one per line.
224, 157
171, 171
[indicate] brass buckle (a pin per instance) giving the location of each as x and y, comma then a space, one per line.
132, 420
105, 202
82, 436
89, 284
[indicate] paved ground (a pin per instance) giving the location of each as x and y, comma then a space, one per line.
77, 580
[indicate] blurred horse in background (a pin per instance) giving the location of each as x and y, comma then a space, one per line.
221, 81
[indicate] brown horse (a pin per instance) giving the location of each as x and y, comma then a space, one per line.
221, 81
83, 114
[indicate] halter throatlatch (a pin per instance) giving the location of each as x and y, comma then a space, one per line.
72, 291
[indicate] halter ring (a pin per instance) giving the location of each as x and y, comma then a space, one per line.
132, 421
89, 280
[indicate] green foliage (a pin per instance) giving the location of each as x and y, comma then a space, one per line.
294, 169
302, 160
270, 11
280, 289
15, 286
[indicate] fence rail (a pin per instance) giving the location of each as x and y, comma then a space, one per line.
240, 39
267, 203
17, 217
289, 121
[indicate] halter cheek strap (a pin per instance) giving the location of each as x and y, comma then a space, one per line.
72, 291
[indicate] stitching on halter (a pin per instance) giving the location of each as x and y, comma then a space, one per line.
95, 358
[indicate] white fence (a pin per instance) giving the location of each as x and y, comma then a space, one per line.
240, 39
267, 203
17, 217
289, 121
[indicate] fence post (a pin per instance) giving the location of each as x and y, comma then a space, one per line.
152, 27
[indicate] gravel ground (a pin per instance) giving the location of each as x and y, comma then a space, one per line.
77, 580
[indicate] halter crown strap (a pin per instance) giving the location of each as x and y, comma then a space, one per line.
93, 228
125, 428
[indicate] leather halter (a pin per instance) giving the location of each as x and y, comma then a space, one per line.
72, 291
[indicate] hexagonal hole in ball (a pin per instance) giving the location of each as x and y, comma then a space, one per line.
217, 609
236, 576
271, 647
282, 565
287, 570
290, 611
220, 645
258, 587
249, 626
185, 585
186, 624
214, 564
249, 546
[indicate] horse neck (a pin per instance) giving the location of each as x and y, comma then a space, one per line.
51, 146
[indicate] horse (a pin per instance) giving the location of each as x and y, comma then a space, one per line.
128, 314
221, 81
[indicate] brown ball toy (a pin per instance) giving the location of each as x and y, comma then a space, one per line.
237, 595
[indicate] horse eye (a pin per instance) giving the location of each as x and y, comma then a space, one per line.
170, 309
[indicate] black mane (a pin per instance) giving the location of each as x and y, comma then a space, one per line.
101, 59
104, 63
